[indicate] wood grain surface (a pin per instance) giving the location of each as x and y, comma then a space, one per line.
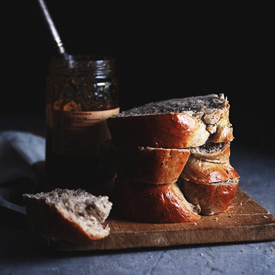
246, 221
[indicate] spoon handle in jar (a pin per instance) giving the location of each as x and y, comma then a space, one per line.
52, 27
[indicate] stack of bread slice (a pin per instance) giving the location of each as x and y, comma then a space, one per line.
173, 159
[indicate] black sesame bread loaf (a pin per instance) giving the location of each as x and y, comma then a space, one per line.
157, 140
174, 123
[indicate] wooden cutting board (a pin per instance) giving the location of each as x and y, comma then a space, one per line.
246, 221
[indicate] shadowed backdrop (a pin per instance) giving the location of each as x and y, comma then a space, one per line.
162, 52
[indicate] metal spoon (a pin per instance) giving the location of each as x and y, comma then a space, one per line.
52, 28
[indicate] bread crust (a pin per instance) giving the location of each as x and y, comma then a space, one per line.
144, 202
152, 165
171, 130
213, 198
190, 126
200, 171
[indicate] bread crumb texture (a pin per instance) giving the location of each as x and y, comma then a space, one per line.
82, 209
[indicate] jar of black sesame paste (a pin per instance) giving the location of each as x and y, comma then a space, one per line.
81, 93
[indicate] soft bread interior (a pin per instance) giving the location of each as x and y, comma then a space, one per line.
212, 152
209, 148
79, 207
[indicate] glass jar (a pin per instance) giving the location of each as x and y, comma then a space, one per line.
81, 93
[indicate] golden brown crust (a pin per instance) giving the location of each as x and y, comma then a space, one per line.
200, 171
152, 165
212, 198
144, 202
172, 130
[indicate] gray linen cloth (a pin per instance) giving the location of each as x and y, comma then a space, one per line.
19, 151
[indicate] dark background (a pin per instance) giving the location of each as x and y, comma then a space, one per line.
162, 52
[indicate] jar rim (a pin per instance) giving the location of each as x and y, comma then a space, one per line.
92, 57
97, 64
